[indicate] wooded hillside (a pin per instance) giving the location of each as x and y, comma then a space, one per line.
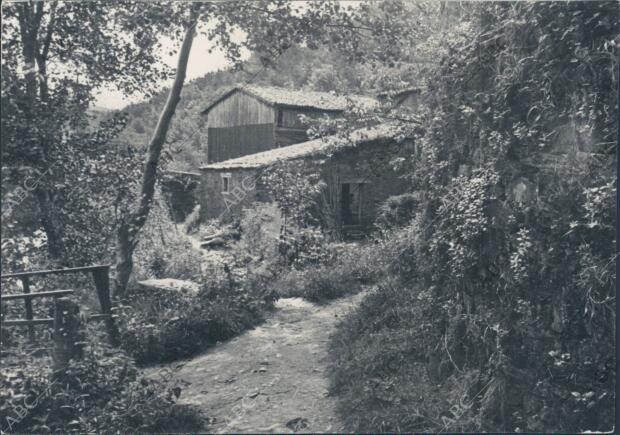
297, 68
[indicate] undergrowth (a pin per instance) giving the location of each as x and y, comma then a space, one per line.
342, 271
495, 307
102, 392
162, 326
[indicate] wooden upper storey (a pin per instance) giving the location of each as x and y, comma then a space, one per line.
239, 109
251, 119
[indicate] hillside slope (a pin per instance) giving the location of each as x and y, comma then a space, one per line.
298, 68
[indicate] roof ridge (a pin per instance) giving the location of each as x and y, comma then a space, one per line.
281, 96
302, 90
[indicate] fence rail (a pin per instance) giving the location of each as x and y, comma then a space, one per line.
100, 274
53, 293
95, 267
50, 321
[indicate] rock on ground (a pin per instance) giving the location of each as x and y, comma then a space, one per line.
170, 284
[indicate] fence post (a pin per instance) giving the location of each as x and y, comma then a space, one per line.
101, 276
28, 305
66, 332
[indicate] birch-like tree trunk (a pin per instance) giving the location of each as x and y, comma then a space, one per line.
129, 228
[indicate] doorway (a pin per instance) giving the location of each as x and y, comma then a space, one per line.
351, 203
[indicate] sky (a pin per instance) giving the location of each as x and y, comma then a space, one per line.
200, 63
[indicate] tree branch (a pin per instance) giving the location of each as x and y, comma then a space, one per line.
339, 26
127, 237
159, 135
48, 35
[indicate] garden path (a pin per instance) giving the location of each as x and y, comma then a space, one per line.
272, 378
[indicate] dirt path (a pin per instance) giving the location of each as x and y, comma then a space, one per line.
271, 376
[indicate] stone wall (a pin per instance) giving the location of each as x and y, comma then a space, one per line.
242, 191
369, 166
366, 164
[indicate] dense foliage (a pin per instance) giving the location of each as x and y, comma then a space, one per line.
501, 313
494, 307
51, 148
169, 325
101, 392
235, 294
165, 249
343, 269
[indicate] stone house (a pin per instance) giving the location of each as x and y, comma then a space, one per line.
251, 129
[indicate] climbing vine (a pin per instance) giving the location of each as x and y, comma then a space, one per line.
509, 294
518, 171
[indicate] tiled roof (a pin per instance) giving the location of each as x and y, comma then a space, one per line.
188, 173
305, 149
297, 98
400, 91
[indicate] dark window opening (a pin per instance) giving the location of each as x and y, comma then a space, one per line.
351, 203
225, 183
280, 117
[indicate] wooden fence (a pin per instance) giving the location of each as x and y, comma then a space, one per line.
64, 309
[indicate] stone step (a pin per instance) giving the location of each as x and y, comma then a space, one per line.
217, 241
170, 284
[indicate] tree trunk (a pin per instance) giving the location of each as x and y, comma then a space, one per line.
127, 235
35, 60
124, 259
29, 19
51, 225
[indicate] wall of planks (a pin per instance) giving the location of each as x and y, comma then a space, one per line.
230, 142
240, 109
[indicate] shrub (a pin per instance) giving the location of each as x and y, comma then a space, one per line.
388, 367
343, 269
325, 283
165, 250
103, 392
158, 326
259, 228
511, 250
423, 335
397, 211
301, 247
341, 273
169, 325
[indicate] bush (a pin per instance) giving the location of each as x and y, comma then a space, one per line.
103, 392
343, 271
169, 325
316, 284
426, 332
259, 228
301, 247
384, 371
160, 326
165, 250
511, 250
397, 211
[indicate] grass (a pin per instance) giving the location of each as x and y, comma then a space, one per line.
345, 273
168, 326
319, 284
382, 377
